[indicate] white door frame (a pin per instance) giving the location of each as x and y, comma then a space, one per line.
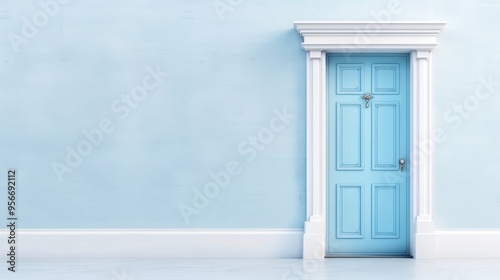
416, 38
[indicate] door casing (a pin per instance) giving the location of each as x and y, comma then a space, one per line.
344, 37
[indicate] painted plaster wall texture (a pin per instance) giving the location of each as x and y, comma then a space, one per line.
126, 114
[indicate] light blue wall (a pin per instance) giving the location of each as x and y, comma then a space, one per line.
229, 71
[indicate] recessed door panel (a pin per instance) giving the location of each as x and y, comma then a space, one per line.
350, 211
385, 214
385, 78
350, 141
350, 78
385, 135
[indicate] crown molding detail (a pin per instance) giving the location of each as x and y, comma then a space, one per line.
368, 35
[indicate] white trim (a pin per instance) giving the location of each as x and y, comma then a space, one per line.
171, 243
468, 244
368, 35
215, 243
417, 38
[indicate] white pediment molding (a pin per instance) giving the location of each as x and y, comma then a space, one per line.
368, 35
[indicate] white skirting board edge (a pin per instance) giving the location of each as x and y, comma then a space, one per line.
217, 243
468, 244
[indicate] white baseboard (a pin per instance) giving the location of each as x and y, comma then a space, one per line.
217, 243
468, 244
314, 240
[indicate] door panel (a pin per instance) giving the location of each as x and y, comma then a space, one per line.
350, 208
350, 78
385, 136
350, 141
367, 193
385, 78
385, 214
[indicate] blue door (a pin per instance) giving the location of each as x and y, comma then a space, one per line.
368, 148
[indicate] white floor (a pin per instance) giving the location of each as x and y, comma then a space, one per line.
239, 269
